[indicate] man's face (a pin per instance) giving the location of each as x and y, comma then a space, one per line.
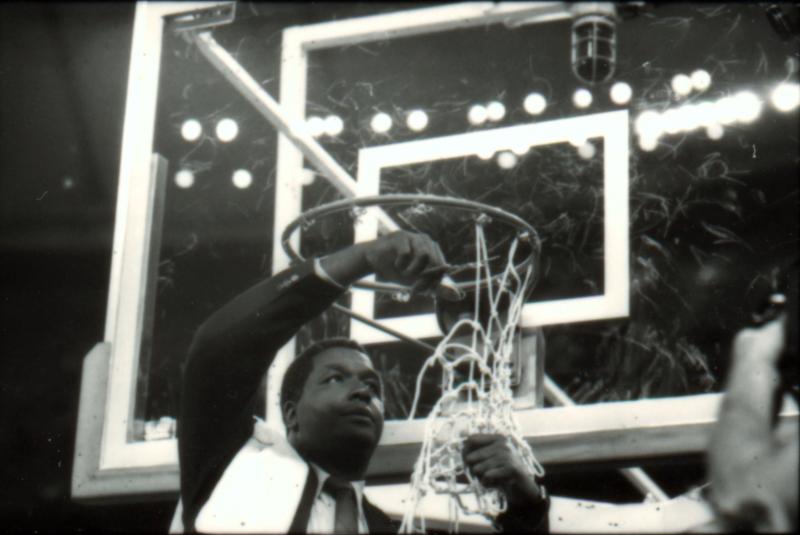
342, 401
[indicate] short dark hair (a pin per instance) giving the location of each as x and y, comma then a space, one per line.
296, 374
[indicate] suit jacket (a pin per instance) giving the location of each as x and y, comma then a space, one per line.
221, 462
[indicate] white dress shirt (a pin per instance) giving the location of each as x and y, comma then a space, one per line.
322, 518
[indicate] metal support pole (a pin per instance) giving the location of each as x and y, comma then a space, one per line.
636, 476
294, 129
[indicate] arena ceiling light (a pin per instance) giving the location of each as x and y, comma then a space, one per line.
417, 120
477, 115
621, 93
534, 103
227, 130
582, 98
381, 123
191, 129
786, 96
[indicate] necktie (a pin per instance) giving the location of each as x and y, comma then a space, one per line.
346, 506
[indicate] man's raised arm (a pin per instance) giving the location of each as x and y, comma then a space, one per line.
233, 349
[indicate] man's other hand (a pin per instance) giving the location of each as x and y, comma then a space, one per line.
491, 459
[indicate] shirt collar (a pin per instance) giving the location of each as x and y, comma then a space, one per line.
323, 476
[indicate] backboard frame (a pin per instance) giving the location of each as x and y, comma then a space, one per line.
612, 127
109, 466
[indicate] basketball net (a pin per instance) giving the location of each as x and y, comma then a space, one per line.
479, 403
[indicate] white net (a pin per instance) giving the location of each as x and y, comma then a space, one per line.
476, 401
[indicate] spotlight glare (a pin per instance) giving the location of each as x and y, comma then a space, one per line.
582, 98
307, 177
577, 140
726, 110
715, 131
682, 85
786, 97
333, 125
417, 120
506, 160
227, 130
534, 103
520, 149
477, 115
316, 126
495, 111
706, 114
485, 153
648, 143
381, 123
748, 106
184, 179
672, 121
649, 123
191, 129
621, 93
689, 118
242, 178
701, 80
587, 151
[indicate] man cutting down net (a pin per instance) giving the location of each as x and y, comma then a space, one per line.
235, 479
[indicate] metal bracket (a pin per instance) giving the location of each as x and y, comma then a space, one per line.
203, 19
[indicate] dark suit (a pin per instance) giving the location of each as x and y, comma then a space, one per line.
228, 357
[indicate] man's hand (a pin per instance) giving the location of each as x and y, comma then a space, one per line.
753, 465
492, 460
406, 258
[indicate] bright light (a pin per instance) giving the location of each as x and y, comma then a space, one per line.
381, 123
726, 110
333, 125
587, 151
495, 110
582, 98
689, 119
682, 84
701, 80
316, 126
715, 131
417, 120
506, 160
648, 143
191, 129
227, 130
534, 103
486, 153
521, 149
242, 178
576, 140
184, 178
621, 93
649, 123
307, 177
672, 121
748, 106
477, 115
786, 96
706, 113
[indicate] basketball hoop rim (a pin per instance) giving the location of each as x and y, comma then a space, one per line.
409, 198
